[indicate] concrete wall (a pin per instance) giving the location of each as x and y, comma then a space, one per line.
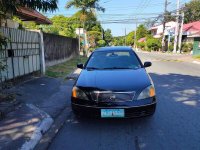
58, 49
22, 53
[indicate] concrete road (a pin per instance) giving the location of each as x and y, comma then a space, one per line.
175, 125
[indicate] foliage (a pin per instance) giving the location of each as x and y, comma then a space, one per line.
41, 5
10, 6
93, 37
118, 41
141, 45
130, 38
153, 44
87, 9
186, 47
3, 41
197, 57
61, 70
141, 31
192, 11
89, 23
171, 47
169, 17
61, 25
108, 36
101, 43
85, 5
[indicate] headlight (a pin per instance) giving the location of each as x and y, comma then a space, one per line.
78, 93
146, 93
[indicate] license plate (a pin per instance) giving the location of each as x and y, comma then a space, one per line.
112, 113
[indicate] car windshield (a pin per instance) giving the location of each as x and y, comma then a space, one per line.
113, 60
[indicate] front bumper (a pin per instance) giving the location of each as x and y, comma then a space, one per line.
130, 111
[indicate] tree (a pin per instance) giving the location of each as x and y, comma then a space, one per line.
141, 31
94, 37
153, 44
85, 6
169, 17
118, 41
108, 36
130, 38
89, 22
192, 11
101, 43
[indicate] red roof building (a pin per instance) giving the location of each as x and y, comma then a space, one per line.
142, 40
27, 14
192, 28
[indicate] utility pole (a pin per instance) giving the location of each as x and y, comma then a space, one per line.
135, 35
164, 22
180, 32
177, 27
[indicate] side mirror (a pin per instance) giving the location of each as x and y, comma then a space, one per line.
80, 66
147, 64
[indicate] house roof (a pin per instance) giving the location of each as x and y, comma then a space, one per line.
193, 26
142, 40
168, 24
28, 14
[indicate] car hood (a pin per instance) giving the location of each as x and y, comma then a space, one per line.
114, 80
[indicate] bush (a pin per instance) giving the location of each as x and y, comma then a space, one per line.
186, 47
171, 47
101, 43
153, 44
141, 45
91, 49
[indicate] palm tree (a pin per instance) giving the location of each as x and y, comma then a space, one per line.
86, 7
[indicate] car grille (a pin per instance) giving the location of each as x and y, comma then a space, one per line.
109, 96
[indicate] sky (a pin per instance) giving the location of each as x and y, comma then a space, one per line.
122, 15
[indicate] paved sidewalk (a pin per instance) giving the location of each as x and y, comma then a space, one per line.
42, 99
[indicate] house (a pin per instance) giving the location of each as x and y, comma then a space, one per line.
26, 14
190, 31
157, 31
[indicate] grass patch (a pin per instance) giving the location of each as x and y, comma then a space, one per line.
197, 57
63, 69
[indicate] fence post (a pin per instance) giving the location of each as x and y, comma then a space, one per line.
42, 57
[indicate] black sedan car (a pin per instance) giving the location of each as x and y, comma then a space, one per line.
114, 84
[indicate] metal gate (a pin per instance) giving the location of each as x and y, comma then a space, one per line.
22, 54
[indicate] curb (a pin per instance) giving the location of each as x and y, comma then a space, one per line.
41, 128
48, 137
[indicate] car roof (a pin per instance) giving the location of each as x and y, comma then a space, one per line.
115, 48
